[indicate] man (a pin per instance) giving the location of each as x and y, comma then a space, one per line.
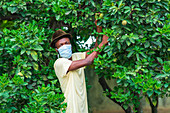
69, 69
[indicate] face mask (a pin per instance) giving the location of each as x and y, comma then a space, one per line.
65, 51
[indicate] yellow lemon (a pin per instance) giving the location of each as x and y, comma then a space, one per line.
124, 22
101, 15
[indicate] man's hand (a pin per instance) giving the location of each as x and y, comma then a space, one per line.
89, 58
105, 39
99, 28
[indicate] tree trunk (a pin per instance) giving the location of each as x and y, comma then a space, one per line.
154, 109
139, 108
128, 110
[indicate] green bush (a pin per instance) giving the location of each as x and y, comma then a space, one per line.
16, 97
28, 80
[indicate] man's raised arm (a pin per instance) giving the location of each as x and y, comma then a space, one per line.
89, 58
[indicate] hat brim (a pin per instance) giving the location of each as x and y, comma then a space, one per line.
58, 38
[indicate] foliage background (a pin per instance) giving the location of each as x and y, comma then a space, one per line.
138, 55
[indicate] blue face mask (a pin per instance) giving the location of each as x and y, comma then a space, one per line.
65, 51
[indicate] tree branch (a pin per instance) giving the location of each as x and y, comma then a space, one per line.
105, 87
157, 101
11, 17
150, 101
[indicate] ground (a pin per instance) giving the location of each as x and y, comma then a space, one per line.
145, 110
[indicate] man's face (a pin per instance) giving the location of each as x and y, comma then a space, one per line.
62, 42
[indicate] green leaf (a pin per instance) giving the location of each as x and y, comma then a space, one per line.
138, 9
92, 3
22, 51
130, 53
79, 1
68, 12
125, 106
137, 56
50, 77
154, 102
20, 74
28, 52
147, 100
38, 47
150, 92
166, 85
57, 17
109, 53
44, 78
118, 46
12, 9
124, 37
14, 108
98, 23
118, 81
158, 92
147, 44
104, 56
158, 43
120, 3
52, 111
159, 60
135, 36
166, 7
35, 66
25, 83
131, 73
127, 10
126, 7
129, 49
132, 40
143, 54
155, 34
34, 55
128, 42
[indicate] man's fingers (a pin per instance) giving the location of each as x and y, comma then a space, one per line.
105, 39
95, 22
97, 15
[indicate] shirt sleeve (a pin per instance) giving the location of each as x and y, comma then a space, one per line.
79, 56
83, 55
61, 66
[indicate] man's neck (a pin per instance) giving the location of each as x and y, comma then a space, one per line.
70, 58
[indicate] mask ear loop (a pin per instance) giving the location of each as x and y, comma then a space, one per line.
58, 54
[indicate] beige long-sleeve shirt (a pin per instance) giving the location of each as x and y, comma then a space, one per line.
72, 84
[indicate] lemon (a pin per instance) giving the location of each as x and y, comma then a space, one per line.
124, 22
101, 15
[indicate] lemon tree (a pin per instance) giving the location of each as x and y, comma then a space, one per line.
137, 56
